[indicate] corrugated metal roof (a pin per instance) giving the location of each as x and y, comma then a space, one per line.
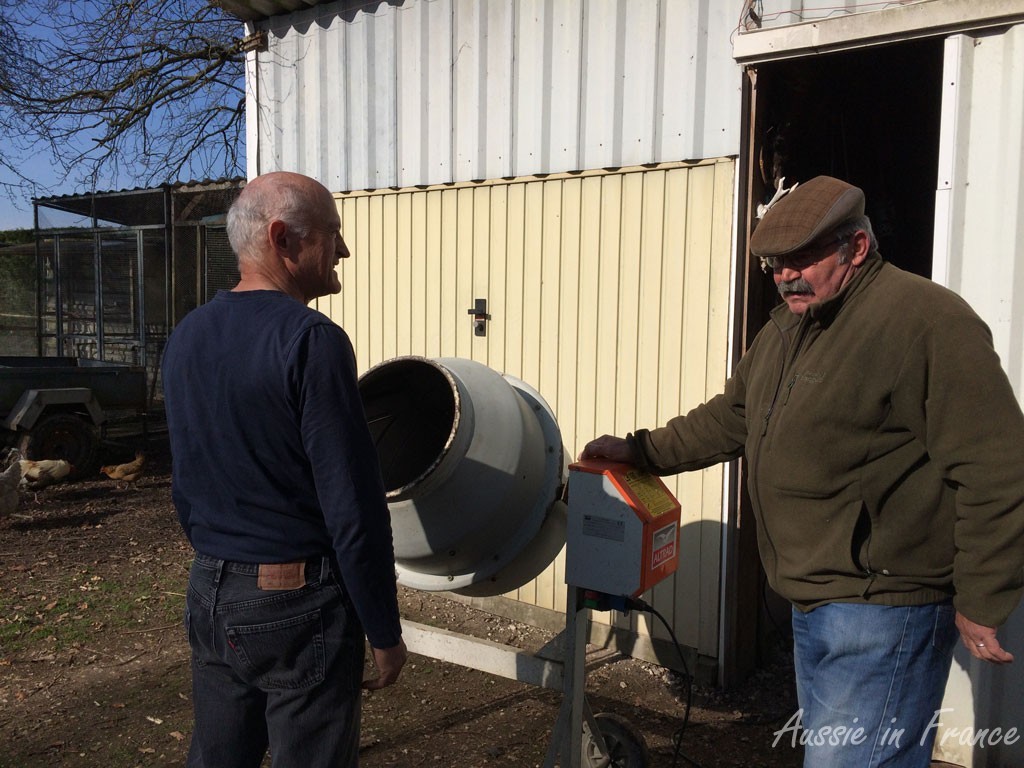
130, 190
132, 207
252, 10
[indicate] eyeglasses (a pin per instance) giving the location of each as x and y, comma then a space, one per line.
801, 260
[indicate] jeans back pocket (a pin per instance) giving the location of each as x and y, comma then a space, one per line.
283, 654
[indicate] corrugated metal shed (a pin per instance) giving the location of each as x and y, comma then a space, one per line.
420, 92
609, 292
441, 91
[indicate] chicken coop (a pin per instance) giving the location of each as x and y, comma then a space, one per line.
18, 315
115, 271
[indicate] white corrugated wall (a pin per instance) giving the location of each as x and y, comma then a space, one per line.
979, 237
981, 185
441, 91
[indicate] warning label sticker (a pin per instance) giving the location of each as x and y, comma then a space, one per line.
652, 494
604, 528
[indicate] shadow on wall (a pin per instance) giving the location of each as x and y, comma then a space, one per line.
982, 722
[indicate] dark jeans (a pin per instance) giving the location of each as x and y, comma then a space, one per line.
272, 668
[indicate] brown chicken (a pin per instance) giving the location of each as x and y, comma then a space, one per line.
126, 473
40, 473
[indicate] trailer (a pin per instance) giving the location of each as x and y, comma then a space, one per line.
58, 407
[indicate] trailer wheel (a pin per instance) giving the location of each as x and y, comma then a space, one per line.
63, 436
626, 745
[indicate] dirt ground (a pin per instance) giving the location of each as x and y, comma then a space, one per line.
94, 662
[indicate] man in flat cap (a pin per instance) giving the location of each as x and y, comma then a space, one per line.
883, 446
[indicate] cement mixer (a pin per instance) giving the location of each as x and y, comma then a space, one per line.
475, 475
473, 466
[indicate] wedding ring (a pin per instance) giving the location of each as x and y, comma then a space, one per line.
980, 645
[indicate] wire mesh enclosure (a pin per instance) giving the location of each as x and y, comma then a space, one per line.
117, 270
18, 311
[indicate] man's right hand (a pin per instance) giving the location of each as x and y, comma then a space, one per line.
389, 663
981, 641
611, 448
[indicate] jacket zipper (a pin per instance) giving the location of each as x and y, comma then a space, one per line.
775, 399
757, 459
788, 357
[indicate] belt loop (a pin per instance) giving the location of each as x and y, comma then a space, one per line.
218, 572
325, 569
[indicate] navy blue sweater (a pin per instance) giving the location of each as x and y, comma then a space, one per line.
272, 457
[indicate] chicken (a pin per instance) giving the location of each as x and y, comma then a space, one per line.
40, 473
127, 473
10, 479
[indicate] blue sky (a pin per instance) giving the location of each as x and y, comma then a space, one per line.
12, 218
39, 168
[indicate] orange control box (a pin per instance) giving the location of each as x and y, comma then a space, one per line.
622, 533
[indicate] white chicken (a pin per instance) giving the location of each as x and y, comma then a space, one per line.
10, 479
40, 473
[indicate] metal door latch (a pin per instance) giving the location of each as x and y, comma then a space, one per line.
480, 317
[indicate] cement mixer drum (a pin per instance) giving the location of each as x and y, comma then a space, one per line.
473, 466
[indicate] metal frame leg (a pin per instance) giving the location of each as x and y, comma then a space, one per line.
574, 715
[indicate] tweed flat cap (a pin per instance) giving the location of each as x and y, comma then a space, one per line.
807, 213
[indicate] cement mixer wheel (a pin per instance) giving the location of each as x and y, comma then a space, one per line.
626, 745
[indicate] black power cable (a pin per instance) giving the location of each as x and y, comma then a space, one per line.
677, 737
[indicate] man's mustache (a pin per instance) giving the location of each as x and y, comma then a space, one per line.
795, 286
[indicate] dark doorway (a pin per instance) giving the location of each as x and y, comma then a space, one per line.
869, 116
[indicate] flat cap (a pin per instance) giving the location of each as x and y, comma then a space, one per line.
809, 212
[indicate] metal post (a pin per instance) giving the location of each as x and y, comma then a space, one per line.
567, 737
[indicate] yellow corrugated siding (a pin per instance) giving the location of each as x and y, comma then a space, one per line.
608, 293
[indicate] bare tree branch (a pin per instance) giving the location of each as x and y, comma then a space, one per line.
137, 92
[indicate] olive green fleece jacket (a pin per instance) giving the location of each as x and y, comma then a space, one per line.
885, 449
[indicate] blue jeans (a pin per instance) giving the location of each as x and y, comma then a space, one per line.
277, 668
869, 679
